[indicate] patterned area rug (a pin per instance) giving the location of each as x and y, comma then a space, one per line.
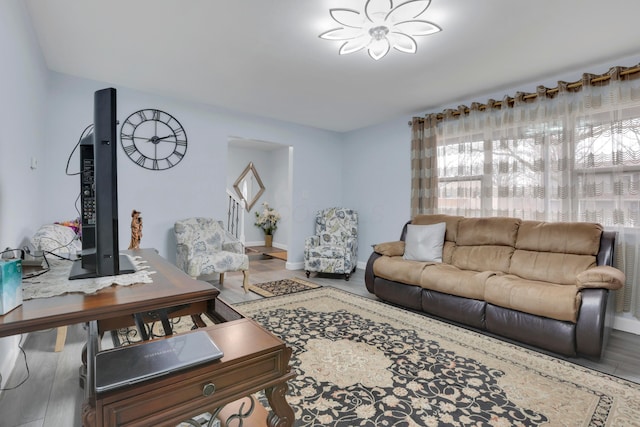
282, 287
364, 363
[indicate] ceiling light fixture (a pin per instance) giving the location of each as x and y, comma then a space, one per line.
380, 27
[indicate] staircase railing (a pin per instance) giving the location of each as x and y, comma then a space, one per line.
235, 216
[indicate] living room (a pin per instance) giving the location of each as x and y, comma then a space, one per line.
366, 167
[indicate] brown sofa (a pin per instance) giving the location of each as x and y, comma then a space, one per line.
544, 284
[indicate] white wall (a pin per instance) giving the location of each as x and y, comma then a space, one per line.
377, 182
197, 185
280, 195
23, 83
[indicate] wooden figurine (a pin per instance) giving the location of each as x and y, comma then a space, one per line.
136, 230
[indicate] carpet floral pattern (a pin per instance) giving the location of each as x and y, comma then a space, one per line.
364, 363
282, 287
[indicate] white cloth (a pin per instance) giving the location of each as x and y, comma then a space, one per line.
56, 281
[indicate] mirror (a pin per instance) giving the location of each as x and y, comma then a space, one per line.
249, 186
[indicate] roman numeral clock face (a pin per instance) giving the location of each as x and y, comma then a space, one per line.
153, 139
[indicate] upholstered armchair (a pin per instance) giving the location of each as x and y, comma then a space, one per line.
334, 247
204, 248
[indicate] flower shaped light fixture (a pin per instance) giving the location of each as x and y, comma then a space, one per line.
380, 27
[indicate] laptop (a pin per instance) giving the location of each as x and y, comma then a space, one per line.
132, 364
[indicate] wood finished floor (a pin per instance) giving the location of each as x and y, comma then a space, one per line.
51, 397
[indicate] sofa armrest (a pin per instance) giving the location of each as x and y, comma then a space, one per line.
182, 255
594, 323
607, 248
390, 248
368, 272
311, 241
235, 247
351, 243
602, 276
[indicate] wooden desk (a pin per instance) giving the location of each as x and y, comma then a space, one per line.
254, 360
171, 287
115, 306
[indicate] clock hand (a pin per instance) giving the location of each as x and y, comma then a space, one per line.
156, 139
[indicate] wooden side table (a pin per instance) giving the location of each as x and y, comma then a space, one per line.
254, 360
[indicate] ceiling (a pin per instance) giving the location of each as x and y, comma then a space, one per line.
264, 57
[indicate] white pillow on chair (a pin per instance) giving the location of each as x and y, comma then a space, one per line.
424, 242
58, 239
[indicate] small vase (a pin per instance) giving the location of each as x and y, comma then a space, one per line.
268, 240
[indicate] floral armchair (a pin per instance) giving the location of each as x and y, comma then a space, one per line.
203, 248
334, 247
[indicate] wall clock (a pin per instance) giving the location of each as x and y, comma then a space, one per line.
153, 139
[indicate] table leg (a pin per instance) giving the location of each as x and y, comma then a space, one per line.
281, 413
89, 405
245, 281
61, 337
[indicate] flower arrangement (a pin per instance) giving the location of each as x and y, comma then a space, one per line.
267, 219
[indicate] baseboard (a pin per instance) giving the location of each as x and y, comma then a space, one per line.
294, 265
261, 243
627, 323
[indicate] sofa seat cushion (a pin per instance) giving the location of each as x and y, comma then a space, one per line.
449, 279
399, 270
555, 301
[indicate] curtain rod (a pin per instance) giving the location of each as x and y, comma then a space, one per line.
575, 86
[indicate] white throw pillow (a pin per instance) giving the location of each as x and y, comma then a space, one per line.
424, 242
57, 239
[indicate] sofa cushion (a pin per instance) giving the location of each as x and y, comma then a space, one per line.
487, 231
535, 297
451, 280
399, 269
448, 251
555, 252
580, 238
485, 244
424, 242
483, 258
550, 267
